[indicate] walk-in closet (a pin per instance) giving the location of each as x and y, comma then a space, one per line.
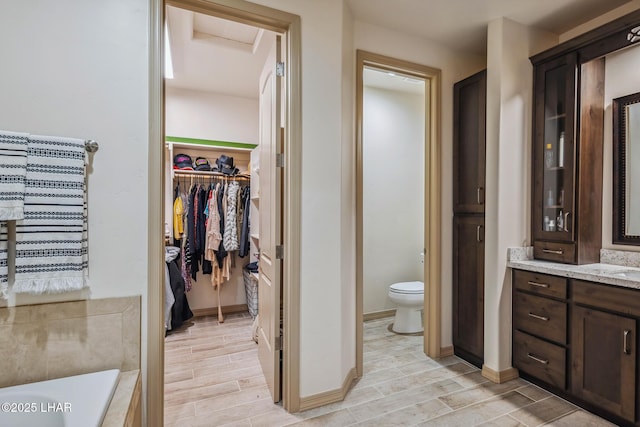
213, 134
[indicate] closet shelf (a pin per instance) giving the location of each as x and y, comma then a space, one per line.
255, 198
255, 275
255, 236
182, 172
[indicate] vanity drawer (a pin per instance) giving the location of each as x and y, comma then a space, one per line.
559, 252
541, 284
539, 359
540, 316
614, 298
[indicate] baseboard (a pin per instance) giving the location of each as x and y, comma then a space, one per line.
446, 351
379, 314
499, 377
213, 311
328, 397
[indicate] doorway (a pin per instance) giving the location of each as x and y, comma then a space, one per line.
366, 63
288, 27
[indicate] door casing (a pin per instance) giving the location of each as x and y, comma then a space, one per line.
432, 225
289, 26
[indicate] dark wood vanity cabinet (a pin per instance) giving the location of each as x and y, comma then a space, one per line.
539, 326
604, 341
579, 338
468, 220
567, 150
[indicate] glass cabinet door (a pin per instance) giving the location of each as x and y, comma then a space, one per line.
554, 152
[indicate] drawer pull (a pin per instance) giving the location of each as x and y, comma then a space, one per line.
537, 359
553, 251
540, 285
626, 342
535, 316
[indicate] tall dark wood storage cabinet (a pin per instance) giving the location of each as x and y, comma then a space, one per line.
567, 159
469, 120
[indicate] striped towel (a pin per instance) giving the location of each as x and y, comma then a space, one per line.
13, 168
51, 241
4, 272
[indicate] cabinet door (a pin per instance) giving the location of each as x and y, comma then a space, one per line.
554, 152
604, 360
468, 287
469, 120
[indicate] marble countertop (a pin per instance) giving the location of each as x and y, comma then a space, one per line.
618, 275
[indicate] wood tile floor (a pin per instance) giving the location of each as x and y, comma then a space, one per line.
213, 378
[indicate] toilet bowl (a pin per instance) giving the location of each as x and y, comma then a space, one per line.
409, 297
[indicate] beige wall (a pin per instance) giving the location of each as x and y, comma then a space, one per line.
508, 172
455, 66
621, 78
393, 192
348, 201
326, 306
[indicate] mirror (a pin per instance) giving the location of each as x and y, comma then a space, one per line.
626, 170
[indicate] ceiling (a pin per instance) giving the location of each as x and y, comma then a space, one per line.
462, 24
214, 55
398, 82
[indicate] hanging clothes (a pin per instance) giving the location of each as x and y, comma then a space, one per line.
230, 235
244, 228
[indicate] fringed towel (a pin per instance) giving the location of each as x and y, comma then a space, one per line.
51, 241
13, 168
4, 272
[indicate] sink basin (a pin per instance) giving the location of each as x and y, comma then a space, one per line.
629, 274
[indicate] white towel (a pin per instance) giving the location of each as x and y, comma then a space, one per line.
4, 272
51, 241
13, 168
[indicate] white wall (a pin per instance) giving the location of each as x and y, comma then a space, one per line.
90, 86
508, 171
80, 69
454, 66
208, 115
348, 201
621, 78
393, 192
325, 323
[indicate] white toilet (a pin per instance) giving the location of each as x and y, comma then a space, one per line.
409, 297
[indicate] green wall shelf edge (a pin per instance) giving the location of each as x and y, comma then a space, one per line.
210, 142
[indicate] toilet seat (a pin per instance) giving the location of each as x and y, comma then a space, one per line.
409, 288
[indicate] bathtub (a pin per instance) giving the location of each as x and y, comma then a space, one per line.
78, 401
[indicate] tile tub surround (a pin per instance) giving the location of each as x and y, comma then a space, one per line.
125, 407
611, 274
47, 341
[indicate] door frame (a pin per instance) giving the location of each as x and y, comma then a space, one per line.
433, 204
288, 25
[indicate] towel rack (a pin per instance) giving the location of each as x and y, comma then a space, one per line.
91, 146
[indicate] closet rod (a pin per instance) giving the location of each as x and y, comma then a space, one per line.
91, 146
208, 174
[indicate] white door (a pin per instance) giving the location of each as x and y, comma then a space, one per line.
270, 230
